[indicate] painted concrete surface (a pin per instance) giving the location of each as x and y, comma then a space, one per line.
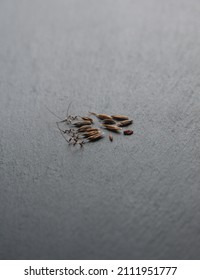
135, 198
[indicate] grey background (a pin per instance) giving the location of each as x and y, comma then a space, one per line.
135, 198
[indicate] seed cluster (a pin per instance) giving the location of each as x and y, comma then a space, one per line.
81, 129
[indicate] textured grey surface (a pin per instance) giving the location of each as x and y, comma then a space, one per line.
135, 198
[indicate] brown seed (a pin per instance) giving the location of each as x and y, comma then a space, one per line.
109, 121
90, 133
95, 137
79, 124
84, 128
125, 123
87, 129
120, 117
87, 119
112, 127
101, 116
110, 137
128, 132
92, 129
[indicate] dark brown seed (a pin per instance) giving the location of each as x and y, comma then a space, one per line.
95, 137
91, 129
84, 128
101, 116
128, 132
112, 127
120, 117
87, 119
111, 137
109, 121
125, 123
90, 133
79, 124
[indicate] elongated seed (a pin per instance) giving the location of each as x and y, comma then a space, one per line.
112, 127
84, 128
110, 137
92, 129
87, 119
88, 134
78, 124
95, 137
120, 117
125, 123
87, 129
109, 121
101, 116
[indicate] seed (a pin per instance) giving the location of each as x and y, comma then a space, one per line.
78, 124
128, 132
84, 128
87, 119
125, 123
92, 129
120, 117
88, 134
87, 129
110, 137
95, 137
112, 127
109, 121
101, 116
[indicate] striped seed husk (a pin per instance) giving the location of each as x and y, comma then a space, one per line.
120, 117
109, 121
101, 116
95, 137
125, 123
84, 128
92, 129
82, 123
90, 133
114, 128
87, 119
